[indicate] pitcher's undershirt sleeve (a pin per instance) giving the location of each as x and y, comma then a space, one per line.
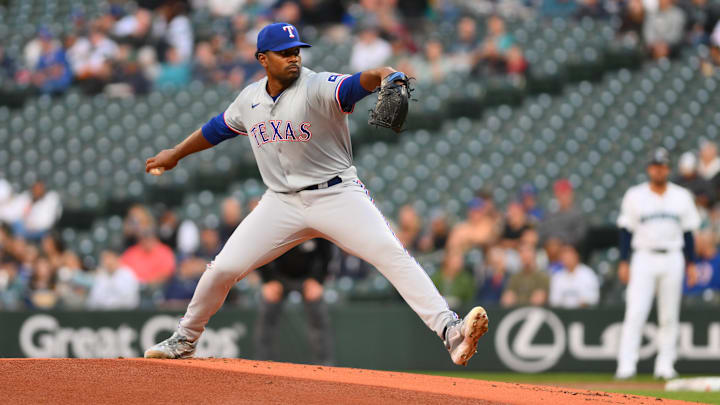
350, 91
217, 130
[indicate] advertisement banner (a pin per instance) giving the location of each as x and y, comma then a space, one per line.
380, 336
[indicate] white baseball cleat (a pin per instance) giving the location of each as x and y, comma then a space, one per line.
174, 347
461, 337
624, 375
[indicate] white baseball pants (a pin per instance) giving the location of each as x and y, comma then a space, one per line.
649, 273
343, 214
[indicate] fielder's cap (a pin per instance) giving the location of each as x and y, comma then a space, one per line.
278, 37
660, 156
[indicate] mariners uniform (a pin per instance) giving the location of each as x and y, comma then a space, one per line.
301, 143
658, 227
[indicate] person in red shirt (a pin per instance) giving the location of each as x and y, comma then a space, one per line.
152, 261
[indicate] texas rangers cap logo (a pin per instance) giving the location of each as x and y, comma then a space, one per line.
278, 37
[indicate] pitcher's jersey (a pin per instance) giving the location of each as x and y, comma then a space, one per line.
658, 221
301, 138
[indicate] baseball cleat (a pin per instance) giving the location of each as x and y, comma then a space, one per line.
624, 375
174, 347
461, 337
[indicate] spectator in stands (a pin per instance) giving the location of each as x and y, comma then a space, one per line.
558, 8
698, 21
52, 73
53, 248
92, 58
433, 66
127, 77
493, 53
528, 198
41, 292
72, 283
707, 286
663, 30
479, 230
553, 249
115, 285
494, 276
409, 227
7, 66
134, 29
464, 47
715, 45
230, 217
567, 223
12, 285
152, 261
709, 165
34, 48
321, 13
453, 281
576, 285
174, 72
593, 9
516, 223
167, 229
209, 245
11, 208
181, 287
172, 29
688, 177
529, 286
288, 11
205, 65
632, 19
467, 38
515, 62
437, 235
40, 210
137, 221
370, 49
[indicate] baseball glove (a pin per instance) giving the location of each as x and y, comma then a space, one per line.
392, 103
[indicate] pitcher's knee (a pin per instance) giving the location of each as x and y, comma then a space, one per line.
225, 272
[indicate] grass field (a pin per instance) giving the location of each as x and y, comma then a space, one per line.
641, 385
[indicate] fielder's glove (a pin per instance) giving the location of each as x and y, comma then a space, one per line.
392, 103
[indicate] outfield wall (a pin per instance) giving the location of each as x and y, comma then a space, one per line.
380, 336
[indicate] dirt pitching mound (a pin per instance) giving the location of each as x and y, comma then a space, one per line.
233, 381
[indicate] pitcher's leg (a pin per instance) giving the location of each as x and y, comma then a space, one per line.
668, 306
639, 296
350, 220
260, 238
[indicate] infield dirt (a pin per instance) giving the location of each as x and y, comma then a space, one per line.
235, 381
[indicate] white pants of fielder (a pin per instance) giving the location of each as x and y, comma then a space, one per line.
651, 273
343, 214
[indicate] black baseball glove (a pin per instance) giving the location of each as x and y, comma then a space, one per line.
392, 103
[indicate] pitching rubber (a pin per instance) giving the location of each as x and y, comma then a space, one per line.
475, 325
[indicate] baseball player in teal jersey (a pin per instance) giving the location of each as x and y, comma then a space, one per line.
295, 119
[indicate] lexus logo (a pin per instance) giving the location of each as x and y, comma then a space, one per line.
521, 354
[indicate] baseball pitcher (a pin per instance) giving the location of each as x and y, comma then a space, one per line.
295, 119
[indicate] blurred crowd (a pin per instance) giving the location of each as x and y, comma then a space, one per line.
130, 49
522, 254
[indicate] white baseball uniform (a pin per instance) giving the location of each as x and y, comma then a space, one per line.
301, 139
657, 223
